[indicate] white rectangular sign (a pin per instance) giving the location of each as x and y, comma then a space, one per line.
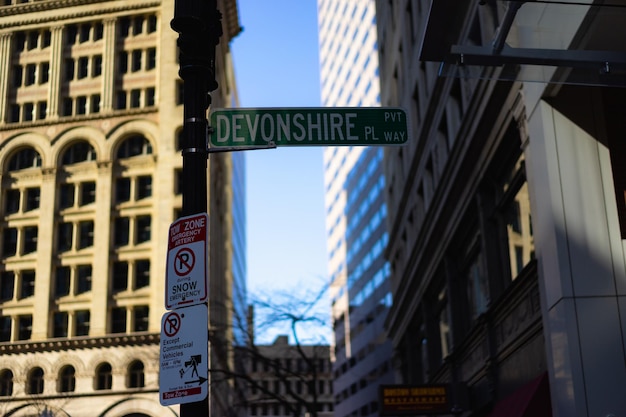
183, 362
187, 274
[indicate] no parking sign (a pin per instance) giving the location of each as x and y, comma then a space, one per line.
183, 364
187, 275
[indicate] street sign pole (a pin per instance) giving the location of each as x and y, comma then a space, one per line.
198, 25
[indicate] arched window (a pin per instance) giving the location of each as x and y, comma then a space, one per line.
80, 151
6, 383
67, 379
134, 146
104, 376
34, 383
135, 375
25, 158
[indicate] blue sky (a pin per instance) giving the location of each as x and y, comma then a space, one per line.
276, 65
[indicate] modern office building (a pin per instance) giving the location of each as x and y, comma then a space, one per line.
506, 208
90, 180
286, 380
355, 212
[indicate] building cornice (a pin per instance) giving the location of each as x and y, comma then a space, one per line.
79, 343
36, 8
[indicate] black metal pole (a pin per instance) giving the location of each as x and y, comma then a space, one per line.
198, 25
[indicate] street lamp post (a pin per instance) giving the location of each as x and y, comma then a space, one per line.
198, 23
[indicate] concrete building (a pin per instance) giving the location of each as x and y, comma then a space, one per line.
506, 208
287, 380
90, 174
355, 211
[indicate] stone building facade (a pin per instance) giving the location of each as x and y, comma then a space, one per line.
90, 176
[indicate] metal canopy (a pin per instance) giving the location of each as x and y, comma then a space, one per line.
571, 42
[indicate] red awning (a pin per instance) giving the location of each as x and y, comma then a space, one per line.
530, 400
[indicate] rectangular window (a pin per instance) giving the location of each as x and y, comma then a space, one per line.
66, 196
150, 96
87, 192
441, 313
121, 100
120, 276
28, 112
24, 327
15, 113
122, 190
96, 69
519, 231
69, 69
5, 328
82, 322
152, 23
477, 287
27, 287
83, 67
30, 239
81, 105
31, 74
59, 323
95, 103
68, 106
122, 64
70, 34
135, 98
17, 75
143, 228
83, 279
118, 320
142, 273
46, 39
140, 318
62, 281
7, 285
65, 235
150, 58
85, 234
20, 41
144, 187
9, 241
12, 201
31, 40
84, 32
32, 198
137, 25
121, 231
124, 26
136, 60
98, 31
42, 109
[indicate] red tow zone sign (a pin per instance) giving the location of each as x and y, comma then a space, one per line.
187, 274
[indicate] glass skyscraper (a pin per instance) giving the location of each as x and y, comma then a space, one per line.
355, 212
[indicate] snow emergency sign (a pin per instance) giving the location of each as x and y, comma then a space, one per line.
187, 274
183, 367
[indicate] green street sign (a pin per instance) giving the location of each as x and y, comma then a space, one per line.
324, 126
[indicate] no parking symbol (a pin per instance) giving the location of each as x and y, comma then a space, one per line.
185, 260
187, 275
171, 324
